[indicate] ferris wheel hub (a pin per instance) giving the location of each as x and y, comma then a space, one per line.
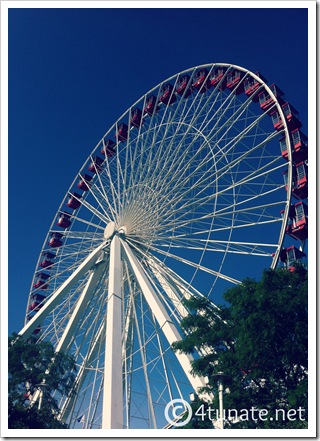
109, 230
123, 230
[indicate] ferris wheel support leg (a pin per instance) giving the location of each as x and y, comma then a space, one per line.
112, 411
68, 333
56, 296
169, 329
169, 288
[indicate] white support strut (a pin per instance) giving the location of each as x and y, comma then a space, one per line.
56, 296
169, 329
112, 410
69, 330
68, 333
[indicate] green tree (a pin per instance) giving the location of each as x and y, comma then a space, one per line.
260, 341
32, 365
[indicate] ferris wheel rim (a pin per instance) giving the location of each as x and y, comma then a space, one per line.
128, 112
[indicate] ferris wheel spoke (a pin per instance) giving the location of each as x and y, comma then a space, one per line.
229, 149
102, 216
236, 117
103, 202
225, 219
179, 284
120, 184
175, 159
79, 246
95, 309
82, 374
173, 165
127, 346
220, 210
94, 396
70, 259
147, 159
195, 265
199, 267
142, 346
81, 235
241, 135
254, 249
96, 194
227, 226
165, 368
205, 199
207, 178
102, 188
172, 162
108, 183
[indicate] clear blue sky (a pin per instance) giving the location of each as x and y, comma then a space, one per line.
73, 72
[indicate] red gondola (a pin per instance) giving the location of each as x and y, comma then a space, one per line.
298, 221
291, 116
41, 281
184, 87
284, 148
73, 201
55, 240
167, 95
289, 256
265, 99
47, 260
122, 132
299, 143
109, 148
218, 78
201, 81
64, 220
83, 184
36, 302
136, 118
251, 85
151, 106
234, 81
276, 120
299, 139
38, 328
299, 180
96, 165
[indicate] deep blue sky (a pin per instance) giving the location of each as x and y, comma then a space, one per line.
73, 72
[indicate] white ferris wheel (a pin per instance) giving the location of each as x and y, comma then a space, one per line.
185, 195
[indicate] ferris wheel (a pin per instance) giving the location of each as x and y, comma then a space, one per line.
185, 195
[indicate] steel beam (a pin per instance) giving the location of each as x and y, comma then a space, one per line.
57, 295
112, 410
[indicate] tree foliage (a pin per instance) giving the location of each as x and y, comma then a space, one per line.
34, 366
260, 341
